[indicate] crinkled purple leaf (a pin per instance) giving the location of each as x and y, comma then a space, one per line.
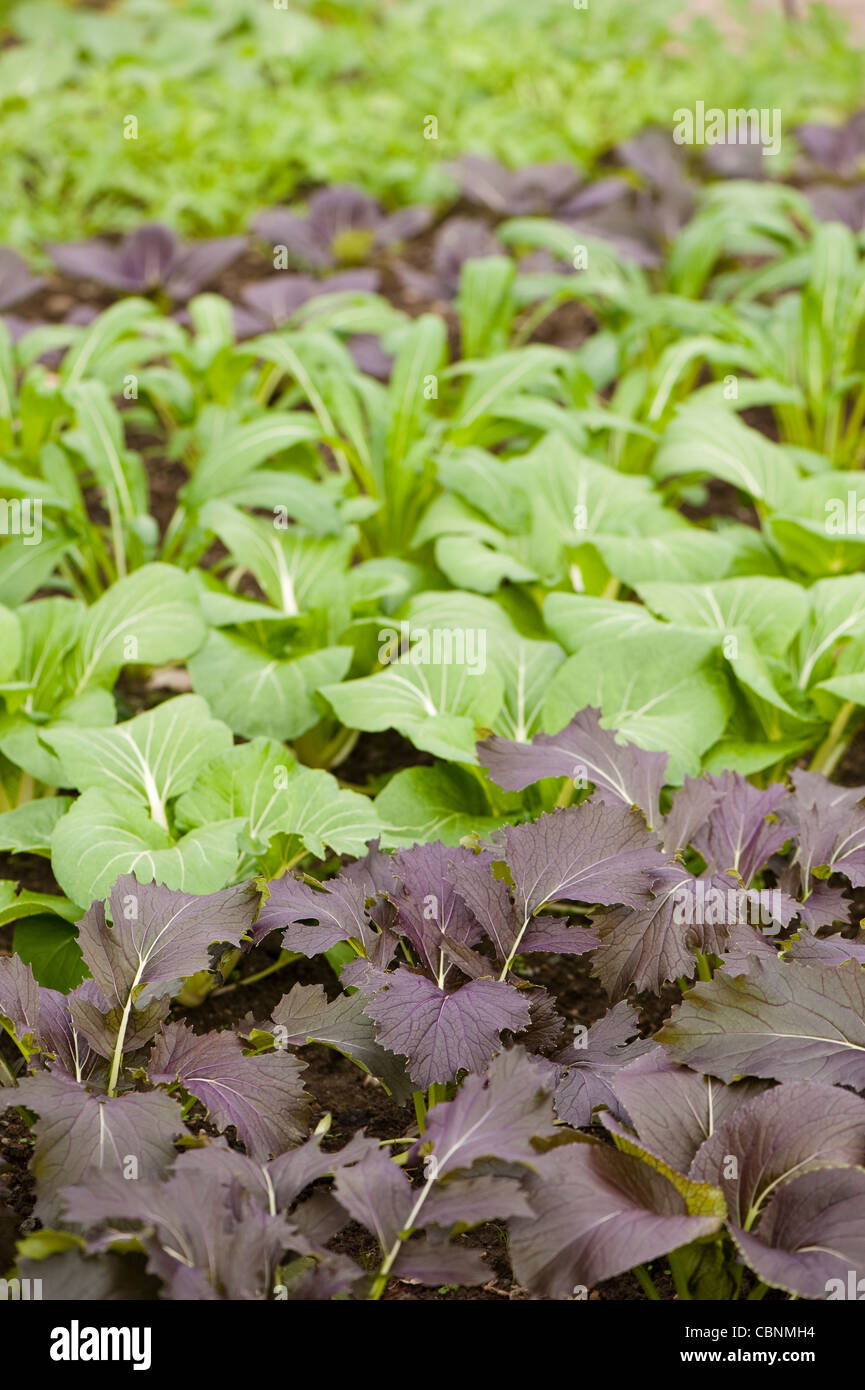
582, 750
71, 1276
377, 1193
742, 945
92, 1017
263, 1097
831, 827
737, 835
589, 1071
731, 159
421, 1262
781, 1020
776, 1136
597, 1213
428, 905
812, 1238
826, 950
652, 943
595, 853
460, 239
281, 227
692, 805
306, 1016
200, 1239
443, 1033
20, 1002
159, 936
472, 1200
317, 919
369, 357
493, 1117
673, 1109
79, 1134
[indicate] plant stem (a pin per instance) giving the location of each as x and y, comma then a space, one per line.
704, 969
832, 748
679, 1278
284, 958
647, 1283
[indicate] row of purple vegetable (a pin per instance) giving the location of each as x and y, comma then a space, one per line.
342, 223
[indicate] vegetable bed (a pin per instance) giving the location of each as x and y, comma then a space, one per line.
432, 706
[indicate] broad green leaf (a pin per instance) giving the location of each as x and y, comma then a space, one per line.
10, 643
258, 694
109, 833
263, 783
28, 828
50, 947
701, 441
433, 803
150, 617
654, 688
155, 756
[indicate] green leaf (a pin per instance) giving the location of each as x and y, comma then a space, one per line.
258, 694
155, 756
150, 617
109, 833
433, 803
10, 643
28, 828
50, 947
263, 783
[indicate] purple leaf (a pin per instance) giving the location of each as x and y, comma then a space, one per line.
20, 1002
692, 805
263, 1097
737, 836
497, 1117
812, 1239
831, 826
595, 853
338, 913
306, 1016
584, 751
532, 189
199, 263
776, 1136
79, 1133
784, 1021
421, 1262
472, 1200
158, 937
201, 1241
826, 950
838, 148
650, 944
673, 1109
377, 1193
441, 1033
16, 282
429, 907
591, 1065
836, 203
742, 945
597, 1213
